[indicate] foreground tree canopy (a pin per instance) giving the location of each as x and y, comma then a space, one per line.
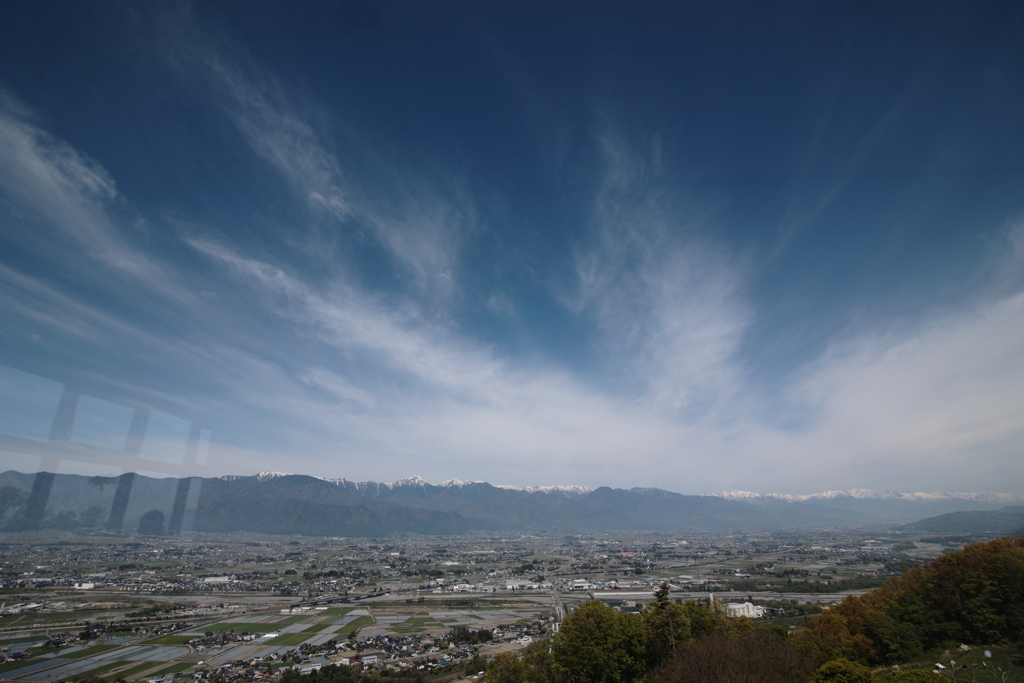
974, 596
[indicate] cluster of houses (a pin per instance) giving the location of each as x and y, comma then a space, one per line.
612, 584
519, 633
403, 653
219, 639
510, 585
416, 652
13, 656
60, 639
410, 652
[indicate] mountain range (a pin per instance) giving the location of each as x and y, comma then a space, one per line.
1005, 521
280, 503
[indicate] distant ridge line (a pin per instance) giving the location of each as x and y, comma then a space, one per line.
734, 495
867, 494
279, 503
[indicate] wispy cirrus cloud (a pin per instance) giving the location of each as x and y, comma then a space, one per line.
420, 216
351, 319
669, 302
62, 204
64, 189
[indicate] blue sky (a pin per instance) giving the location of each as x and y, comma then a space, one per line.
770, 248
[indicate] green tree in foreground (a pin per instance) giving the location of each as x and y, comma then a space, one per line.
705, 620
665, 627
599, 645
843, 671
507, 668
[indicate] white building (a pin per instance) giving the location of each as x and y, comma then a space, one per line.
744, 609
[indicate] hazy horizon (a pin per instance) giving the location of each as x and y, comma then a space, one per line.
89, 470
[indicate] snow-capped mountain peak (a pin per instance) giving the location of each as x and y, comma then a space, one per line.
739, 495
556, 490
457, 483
266, 476
262, 476
414, 480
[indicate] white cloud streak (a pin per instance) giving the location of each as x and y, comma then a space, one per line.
950, 384
666, 300
60, 201
421, 220
65, 189
352, 320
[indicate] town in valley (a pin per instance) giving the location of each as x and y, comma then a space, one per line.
245, 606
